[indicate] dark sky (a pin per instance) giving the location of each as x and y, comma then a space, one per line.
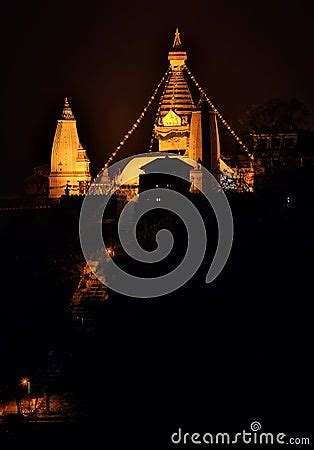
108, 57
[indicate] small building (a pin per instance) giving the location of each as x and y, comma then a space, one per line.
275, 150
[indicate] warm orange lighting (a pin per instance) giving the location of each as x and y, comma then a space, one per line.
69, 161
24, 381
110, 251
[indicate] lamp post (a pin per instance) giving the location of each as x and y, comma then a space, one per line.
26, 382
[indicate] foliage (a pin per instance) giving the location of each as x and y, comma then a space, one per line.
275, 116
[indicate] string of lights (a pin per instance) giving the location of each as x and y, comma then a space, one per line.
158, 110
224, 122
136, 123
150, 101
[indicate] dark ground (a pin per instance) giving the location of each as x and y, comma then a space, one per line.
207, 358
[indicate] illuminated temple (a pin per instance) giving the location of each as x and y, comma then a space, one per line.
69, 172
185, 128
182, 126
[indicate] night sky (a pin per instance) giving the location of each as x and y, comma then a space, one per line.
108, 57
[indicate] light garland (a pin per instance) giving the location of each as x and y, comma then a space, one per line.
224, 122
136, 123
152, 98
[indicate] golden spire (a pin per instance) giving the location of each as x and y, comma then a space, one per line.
177, 56
177, 96
67, 111
177, 45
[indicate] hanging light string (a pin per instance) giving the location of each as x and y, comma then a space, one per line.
136, 123
225, 123
159, 109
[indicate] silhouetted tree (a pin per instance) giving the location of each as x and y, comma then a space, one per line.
275, 119
275, 116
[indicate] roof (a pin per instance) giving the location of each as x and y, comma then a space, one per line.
175, 165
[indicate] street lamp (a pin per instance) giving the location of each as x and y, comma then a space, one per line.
110, 251
26, 382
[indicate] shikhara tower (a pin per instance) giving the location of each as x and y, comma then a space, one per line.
69, 162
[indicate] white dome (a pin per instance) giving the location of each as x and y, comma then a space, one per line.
130, 173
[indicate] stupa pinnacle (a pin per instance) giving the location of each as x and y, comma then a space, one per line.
177, 41
182, 127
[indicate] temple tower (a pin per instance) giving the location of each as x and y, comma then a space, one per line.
173, 123
69, 163
182, 127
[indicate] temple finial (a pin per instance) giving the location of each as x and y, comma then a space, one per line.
67, 111
177, 45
